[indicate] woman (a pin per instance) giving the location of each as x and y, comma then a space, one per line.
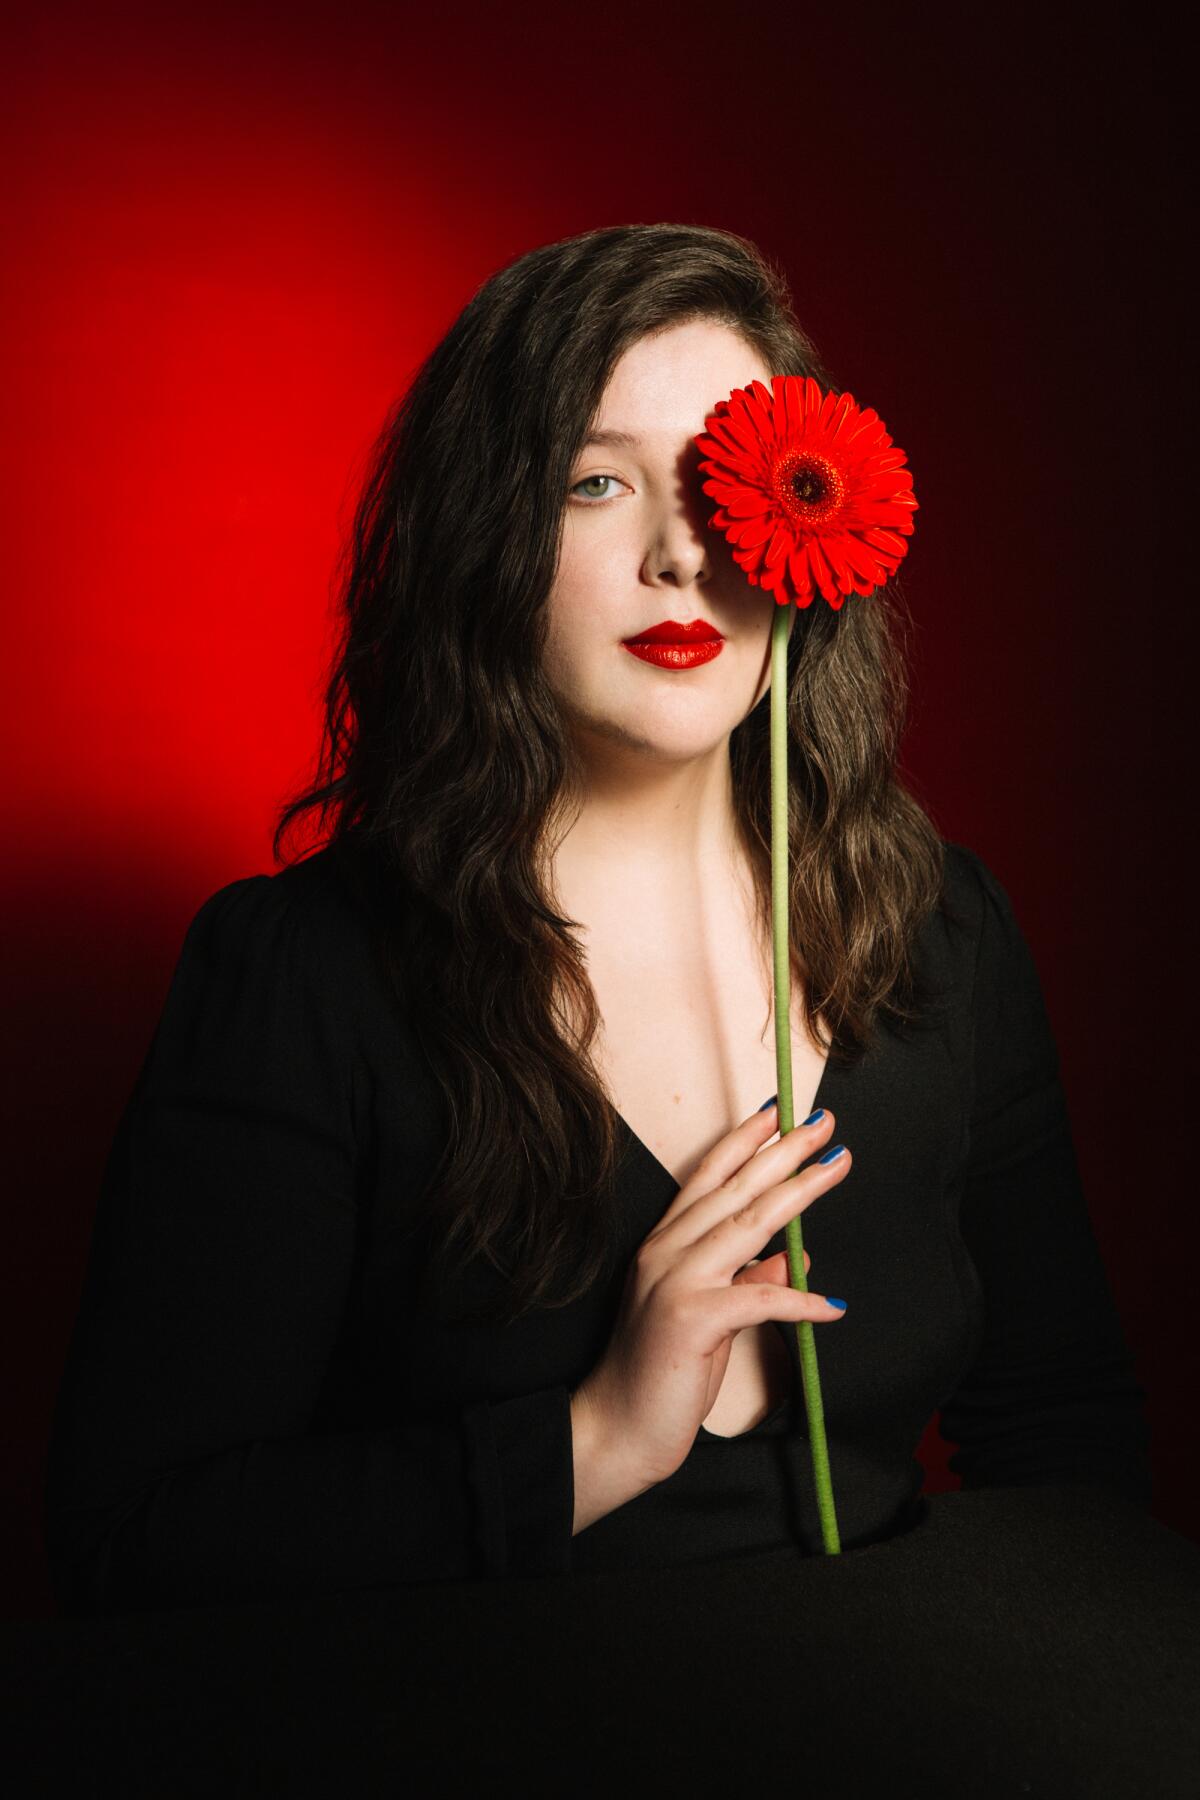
442, 1235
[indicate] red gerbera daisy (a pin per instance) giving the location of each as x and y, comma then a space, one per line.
810, 490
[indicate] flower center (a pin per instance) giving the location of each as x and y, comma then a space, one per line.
809, 486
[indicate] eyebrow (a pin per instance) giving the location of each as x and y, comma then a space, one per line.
624, 440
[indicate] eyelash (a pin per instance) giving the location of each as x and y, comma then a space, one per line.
600, 475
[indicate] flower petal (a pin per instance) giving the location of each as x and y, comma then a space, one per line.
880, 515
834, 544
821, 569
724, 490
842, 419
883, 487
748, 503
758, 405
866, 420
757, 531
794, 412
860, 558
888, 459
742, 426
723, 436
886, 540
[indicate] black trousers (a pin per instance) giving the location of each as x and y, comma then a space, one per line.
1020, 1641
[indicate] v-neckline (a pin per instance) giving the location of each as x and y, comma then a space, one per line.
677, 1186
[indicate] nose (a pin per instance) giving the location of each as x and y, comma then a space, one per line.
679, 551
682, 567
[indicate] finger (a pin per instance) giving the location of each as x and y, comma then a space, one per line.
759, 1174
774, 1268
723, 1160
714, 1257
731, 1309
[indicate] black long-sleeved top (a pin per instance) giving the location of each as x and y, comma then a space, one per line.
254, 1403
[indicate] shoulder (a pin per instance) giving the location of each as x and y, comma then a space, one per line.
307, 925
282, 988
999, 969
970, 939
325, 890
973, 899
967, 879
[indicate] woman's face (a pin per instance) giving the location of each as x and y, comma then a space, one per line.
637, 551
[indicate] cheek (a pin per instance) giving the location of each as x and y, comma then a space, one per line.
591, 596
570, 635
589, 561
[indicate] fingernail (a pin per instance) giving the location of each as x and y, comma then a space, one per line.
840, 1304
829, 1156
767, 1103
813, 1117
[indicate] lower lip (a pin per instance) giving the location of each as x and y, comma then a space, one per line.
677, 656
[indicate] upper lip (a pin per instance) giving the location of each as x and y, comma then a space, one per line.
699, 631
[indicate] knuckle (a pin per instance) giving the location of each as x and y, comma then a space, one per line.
741, 1189
749, 1214
678, 1311
647, 1271
710, 1161
644, 1262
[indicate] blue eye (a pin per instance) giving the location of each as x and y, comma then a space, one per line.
596, 499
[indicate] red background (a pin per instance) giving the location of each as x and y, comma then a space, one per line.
231, 238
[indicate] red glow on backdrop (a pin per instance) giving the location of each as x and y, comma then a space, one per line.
217, 303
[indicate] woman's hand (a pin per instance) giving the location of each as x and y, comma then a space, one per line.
693, 1285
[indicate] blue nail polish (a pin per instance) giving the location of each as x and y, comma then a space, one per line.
830, 1155
813, 1117
770, 1102
838, 1303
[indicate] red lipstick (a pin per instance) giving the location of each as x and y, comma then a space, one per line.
674, 646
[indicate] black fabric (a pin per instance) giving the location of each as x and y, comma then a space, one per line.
1036, 1643
255, 1406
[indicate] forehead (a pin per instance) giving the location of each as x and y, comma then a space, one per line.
664, 385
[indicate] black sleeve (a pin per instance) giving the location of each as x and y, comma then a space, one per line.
1052, 1395
180, 1469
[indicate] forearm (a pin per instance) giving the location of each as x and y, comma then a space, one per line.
482, 1494
284, 1516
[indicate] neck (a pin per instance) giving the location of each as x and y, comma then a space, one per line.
652, 843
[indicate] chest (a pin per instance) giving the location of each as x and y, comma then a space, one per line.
687, 1050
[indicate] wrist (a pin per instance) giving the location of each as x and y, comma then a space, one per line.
603, 1480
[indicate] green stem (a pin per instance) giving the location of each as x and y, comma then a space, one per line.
783, 1060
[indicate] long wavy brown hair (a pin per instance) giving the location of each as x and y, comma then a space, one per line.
445, 767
